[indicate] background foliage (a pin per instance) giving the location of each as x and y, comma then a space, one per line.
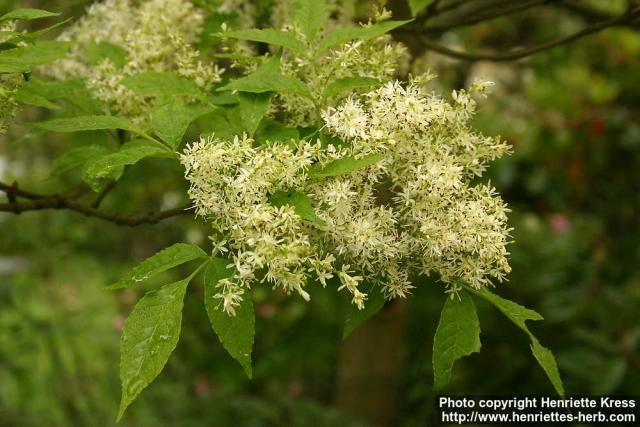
571, 114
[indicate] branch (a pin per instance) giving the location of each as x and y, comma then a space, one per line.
476, 16
66, 200
13, 191
587, 12
625, 18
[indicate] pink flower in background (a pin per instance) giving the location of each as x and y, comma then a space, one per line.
118, 322
559, 223
202, 387
265, 310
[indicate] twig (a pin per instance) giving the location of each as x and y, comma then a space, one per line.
473, 18
627, 17
67, 200
103, 193
13, 191
56, 202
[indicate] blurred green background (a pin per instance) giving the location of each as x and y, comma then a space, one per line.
573, 183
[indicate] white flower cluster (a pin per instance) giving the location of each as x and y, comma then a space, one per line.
443, 222
413, 212
231, 182
157, 35
377, 58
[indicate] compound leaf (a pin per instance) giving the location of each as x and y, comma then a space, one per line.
519, 315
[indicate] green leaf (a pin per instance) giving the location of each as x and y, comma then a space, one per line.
171, 120
519, 315
545, 358
130, 153
12, 66
73, 91
348, 84
417, 5
158, 83
253, 107
300, 202
269, 35
344, 165
27, 14
223, 99
28, 97
97, 183
149, 336
36, 34
355, 317
236, 333
458, 335
272, 130
223, 123
164, 260
82, 123
77, 157
310, 16
37, 54
515, 312
342, 35
99, 51
267, 78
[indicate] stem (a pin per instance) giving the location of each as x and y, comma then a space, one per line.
157, 141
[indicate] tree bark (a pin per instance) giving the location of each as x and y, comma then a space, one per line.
370, 364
